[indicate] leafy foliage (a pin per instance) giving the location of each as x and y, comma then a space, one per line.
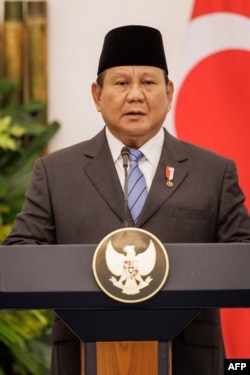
21, 333
22, 139
24, 345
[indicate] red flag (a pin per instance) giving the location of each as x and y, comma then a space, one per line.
211, 109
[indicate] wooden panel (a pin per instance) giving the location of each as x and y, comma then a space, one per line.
127, 358
82, 358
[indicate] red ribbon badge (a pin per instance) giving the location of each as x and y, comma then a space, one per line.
169, 176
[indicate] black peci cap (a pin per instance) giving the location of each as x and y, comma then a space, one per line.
133, 45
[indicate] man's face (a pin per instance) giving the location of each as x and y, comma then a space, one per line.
134, 102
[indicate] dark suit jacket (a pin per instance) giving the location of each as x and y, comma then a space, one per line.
75, 197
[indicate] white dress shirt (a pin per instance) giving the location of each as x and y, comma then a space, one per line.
148, 163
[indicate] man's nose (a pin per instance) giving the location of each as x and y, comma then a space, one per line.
135, 93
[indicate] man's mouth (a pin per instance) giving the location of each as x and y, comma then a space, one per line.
134, 113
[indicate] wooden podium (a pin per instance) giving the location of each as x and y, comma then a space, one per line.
60, 277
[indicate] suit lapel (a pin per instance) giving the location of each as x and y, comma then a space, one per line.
102, 173
172, 155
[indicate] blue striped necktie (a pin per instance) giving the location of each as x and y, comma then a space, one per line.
137, 189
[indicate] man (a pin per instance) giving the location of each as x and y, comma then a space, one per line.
76, 194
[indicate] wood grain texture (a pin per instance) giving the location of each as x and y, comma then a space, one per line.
82, 358
127, 358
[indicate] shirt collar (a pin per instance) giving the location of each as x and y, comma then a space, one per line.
151, 149
115, 145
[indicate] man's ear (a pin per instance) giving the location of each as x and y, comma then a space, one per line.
96, 94
170, 93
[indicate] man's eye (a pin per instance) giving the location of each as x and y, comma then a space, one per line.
148, 82
121, 83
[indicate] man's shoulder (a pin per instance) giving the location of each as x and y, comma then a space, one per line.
202, 151
76, 151
193, 151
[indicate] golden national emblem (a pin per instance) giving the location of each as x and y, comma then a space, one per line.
130, 265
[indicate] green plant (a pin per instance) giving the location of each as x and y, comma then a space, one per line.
22, 140
24, 347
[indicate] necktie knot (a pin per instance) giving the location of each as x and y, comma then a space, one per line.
135, 155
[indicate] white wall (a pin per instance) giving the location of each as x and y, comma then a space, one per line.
76, 29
